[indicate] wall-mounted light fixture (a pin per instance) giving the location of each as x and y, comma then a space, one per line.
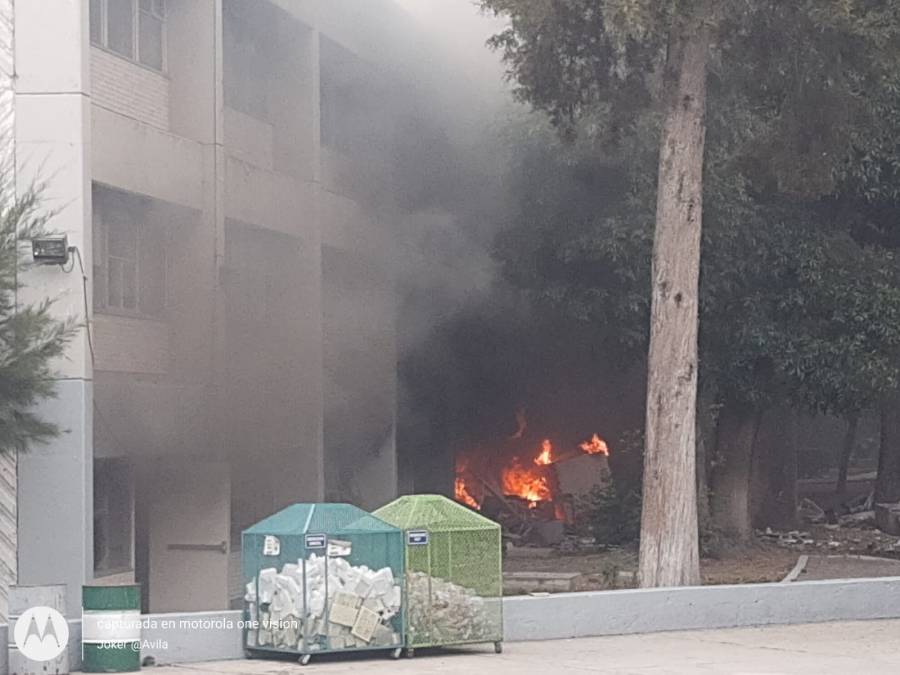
50, 250
55, 250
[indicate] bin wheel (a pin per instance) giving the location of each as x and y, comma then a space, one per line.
305, 659
410, 652
498, 647
395, 654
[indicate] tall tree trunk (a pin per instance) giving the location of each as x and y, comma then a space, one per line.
887, 485
706, 443
840, 491
669, 554
775, 468
731, 505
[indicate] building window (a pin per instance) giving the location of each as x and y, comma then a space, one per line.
129, 256
135, 29
248, 56
122, 266
113, 517
150, 33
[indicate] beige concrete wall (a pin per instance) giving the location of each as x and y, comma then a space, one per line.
249, 140
202, 382
271, 200
53, 144
134, 156
131, 345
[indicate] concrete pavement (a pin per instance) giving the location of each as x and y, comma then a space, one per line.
857, 648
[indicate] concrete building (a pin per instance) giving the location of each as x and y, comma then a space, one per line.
228, 173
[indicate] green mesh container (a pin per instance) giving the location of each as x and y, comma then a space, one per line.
454, 575
322, 578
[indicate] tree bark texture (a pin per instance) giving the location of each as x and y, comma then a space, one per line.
887, 485
706, 444
774, 459
840, 492
731, 505
669, 554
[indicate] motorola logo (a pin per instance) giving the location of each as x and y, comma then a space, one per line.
41, 633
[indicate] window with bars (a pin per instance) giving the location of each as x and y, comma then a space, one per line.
129, 256
135, 29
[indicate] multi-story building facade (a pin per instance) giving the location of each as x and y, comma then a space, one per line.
227, 171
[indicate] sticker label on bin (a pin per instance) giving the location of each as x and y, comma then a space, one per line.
271, 545
315, 541
417, 537
339, 549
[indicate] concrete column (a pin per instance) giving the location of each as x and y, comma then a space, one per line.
313, 386
52, 139
194, 55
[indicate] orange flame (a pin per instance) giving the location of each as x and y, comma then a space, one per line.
546, 456
463, 496
526, 483
595, 446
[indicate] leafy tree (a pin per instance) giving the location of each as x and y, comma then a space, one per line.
614, 514
797, 312
30, 337
794, 94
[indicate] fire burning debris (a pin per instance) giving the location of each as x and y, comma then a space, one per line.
463, 496
595, 446
546, 456
525, 482
462, 486
531, 481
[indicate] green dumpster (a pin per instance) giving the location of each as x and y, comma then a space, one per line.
322, 578
111, 629
454, 575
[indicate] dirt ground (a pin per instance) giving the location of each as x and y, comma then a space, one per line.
757, 563
601, 571
848, 567
834, 553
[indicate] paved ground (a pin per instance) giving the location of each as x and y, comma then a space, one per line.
861, 648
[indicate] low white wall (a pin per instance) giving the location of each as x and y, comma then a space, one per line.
572, 615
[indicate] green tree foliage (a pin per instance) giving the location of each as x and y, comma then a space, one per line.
614, 515
794, 306
799, 292
30, 337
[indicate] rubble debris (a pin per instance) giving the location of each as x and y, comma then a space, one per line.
529, 552
858, 518
811, 512
549, 582
854, 534
887, 518
862, 503
441, 612
549, 532
343, 606
573, 545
